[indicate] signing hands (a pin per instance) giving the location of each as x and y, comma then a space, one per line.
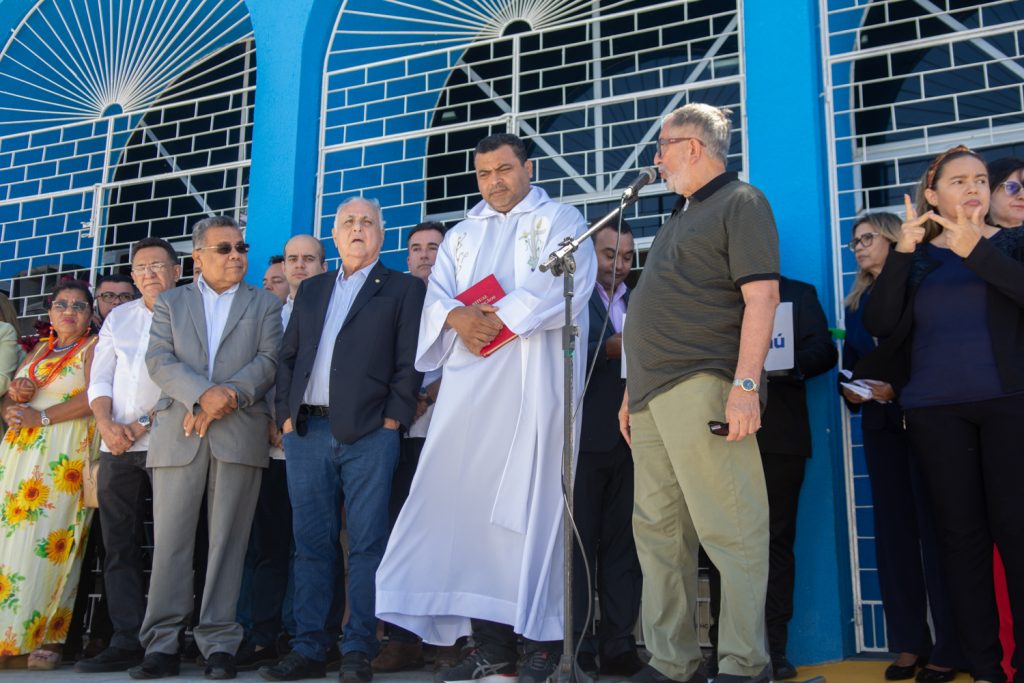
476, 325
961, 235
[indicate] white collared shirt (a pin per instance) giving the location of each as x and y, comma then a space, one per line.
318, 390
217, 306
286, 311
119, 367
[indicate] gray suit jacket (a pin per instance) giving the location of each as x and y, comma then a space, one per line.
178, 361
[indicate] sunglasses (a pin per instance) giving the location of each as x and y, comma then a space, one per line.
75, 306
224, 248
111, 297
1012, 187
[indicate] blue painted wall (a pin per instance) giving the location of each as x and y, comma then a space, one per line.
291, 42
788, 161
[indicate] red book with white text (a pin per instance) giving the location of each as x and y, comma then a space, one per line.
487, 291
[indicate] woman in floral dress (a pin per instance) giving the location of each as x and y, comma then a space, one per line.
43, 524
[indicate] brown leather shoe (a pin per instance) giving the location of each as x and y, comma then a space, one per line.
399, 656
447, 656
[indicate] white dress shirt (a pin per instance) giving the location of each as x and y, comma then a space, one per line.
318, 390
119, 367
216, 307
286, 311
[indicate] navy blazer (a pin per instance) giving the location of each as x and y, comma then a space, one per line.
600, 429
372, 373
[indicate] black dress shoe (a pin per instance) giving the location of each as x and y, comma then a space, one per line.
927, 675
895, 672
623, 664
110, 660
355, 668
293, 667
156, 665
587, 663
782, 668
249, 658
649, 674
220, 666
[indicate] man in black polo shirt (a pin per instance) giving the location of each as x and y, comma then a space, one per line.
696, 337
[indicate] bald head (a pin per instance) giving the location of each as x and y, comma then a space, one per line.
303, 258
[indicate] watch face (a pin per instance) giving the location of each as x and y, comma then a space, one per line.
748, 385
144, 420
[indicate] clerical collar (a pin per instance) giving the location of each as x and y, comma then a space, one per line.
708, 189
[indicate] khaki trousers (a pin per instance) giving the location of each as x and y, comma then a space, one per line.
693, 488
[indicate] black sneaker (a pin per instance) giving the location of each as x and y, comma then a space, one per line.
539, 666
293, 667
355, 668
476, 667
110, 660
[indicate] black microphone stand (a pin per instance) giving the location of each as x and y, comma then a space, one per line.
562, 262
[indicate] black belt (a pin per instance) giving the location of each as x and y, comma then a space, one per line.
319, 411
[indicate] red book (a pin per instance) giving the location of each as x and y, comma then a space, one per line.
487, 291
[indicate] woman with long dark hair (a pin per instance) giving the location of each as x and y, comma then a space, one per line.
949, 309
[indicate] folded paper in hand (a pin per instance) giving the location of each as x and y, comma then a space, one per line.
487, 291
857, 386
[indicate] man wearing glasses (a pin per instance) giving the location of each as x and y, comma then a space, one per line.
122, 397
696, 337
213, 353
112, 291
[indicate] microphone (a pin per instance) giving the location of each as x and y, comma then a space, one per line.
647, 175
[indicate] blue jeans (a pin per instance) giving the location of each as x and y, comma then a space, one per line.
320, 470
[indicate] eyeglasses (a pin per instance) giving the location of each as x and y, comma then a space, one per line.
111, 297
75, 306
864, 240
156, 267
662, 143
224, 248
1012, 188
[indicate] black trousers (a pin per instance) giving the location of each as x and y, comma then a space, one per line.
125, 494
910, 574
603, 511
972, 462
270, 544
499, 641
783, 476
408, 460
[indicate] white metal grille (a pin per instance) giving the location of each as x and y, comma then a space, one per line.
163, 139
904, 80
409, 92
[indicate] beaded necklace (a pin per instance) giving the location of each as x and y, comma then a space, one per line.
59, 365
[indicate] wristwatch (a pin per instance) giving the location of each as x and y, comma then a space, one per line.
746, 384
144, 421
43, 419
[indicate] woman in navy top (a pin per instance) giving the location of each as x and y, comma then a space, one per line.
906, 546
949, 309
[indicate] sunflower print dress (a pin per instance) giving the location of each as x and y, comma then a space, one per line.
43, 524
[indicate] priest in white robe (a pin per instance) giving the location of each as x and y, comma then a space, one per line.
477, 547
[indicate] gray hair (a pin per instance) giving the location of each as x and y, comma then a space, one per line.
369, 200
200, 228
713, 122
